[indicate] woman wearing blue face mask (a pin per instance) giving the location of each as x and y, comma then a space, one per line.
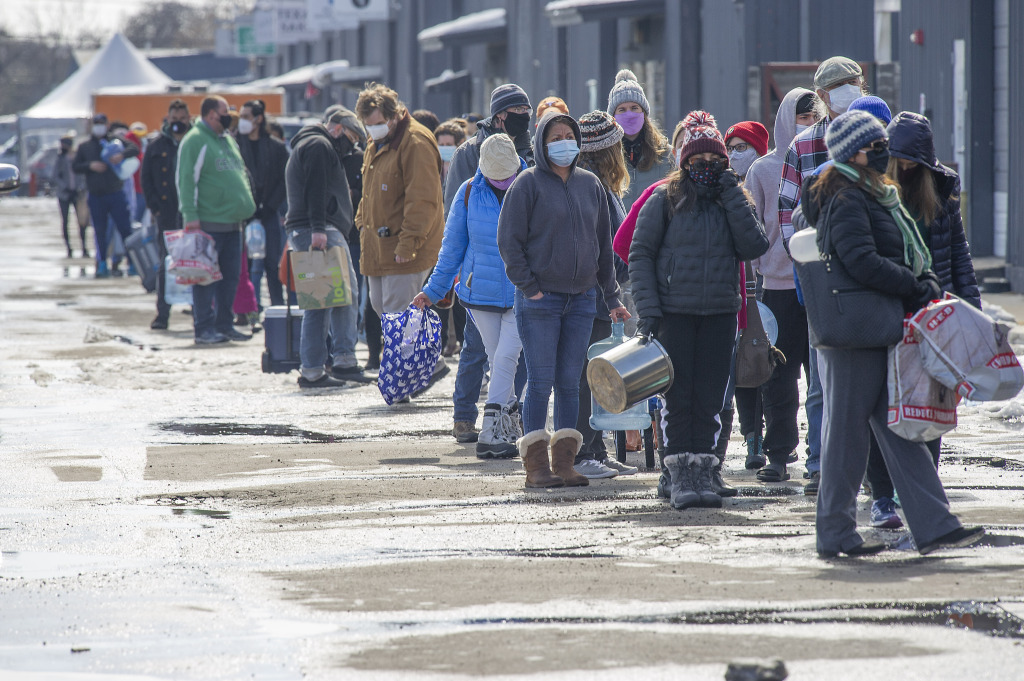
470, 250
554, 235
684, 264
449, 136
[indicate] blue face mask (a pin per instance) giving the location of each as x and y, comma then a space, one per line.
447, 152
563, 152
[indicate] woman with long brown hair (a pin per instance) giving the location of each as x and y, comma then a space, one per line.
645, 147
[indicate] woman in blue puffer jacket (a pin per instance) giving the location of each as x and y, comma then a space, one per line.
470, 251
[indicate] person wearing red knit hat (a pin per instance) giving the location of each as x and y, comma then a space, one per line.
746, 142
684, 265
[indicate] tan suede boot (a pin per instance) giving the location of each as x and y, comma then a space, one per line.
533, 448
565, 445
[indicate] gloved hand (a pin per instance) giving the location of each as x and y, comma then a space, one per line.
728, 179
648, 326
927, 289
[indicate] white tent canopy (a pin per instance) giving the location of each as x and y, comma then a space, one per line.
118, 63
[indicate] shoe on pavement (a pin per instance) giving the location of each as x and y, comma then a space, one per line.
814, 480
619, 467
755, 453
883, 514
102, 271
868, 548
352, 374
959, 538
211, 338
664, 490
158, 324
593, 469
325, 381
237, 335
718, 484
464, 432
493, 441
793, 457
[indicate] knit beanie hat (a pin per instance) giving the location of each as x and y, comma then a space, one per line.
875, 106
700, 134
551, 104
751, 132
835, 70
498, 157
508, 95
599, 131
850, 132
627, 89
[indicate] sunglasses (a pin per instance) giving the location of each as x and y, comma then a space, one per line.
877, 146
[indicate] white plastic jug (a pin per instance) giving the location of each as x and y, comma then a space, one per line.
256, 240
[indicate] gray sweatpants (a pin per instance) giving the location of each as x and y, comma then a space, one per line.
856, 395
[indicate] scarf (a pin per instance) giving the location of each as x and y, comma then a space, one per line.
916, 255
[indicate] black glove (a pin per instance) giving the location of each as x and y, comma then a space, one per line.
927, 289
728, 179
648, 326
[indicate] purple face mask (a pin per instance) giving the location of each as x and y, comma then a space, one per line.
503, 184
632, 122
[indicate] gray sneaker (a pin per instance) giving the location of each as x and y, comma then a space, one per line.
211, 338
594, 470
619, 467
464, 432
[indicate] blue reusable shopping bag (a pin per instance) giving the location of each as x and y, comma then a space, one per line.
412, 345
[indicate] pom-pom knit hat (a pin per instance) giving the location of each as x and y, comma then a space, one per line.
850, 132
599, 131
627, 89
700, 134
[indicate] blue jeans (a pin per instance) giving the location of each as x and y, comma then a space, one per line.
112, 207
211, 304
340, 321
555, 331
813, 408
469, 377
269, 263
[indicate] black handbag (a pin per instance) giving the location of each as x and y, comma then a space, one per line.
842, 312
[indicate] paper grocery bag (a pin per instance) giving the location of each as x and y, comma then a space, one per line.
322, 278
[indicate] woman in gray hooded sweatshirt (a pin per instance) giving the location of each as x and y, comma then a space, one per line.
555, 238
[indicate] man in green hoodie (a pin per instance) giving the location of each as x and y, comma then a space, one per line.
215, 197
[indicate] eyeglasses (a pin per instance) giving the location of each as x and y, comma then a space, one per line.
878, 146
741, 147
519, 109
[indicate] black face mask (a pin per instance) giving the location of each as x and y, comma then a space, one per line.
179, 127
516, 123
906, 176
878, 160
225, 121
706, 173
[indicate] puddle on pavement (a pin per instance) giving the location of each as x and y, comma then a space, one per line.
987, 461
227, 429
980, 616
204, 512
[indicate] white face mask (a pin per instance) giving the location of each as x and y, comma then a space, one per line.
800, 129
99, 130
378, 132
244, 126
842, 97
741, 160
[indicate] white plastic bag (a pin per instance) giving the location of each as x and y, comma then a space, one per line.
966, 351
920, 408
193, 257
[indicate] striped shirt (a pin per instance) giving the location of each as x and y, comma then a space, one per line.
806, 152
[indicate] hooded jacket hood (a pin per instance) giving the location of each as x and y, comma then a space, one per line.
785, 120
311, 130
540, 150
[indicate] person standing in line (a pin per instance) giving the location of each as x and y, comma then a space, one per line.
214, 197
873, 236
107, 201
265, 159
510, 114
601, 154
470, 250
70, 189
796, 113
931, 193
137, 132
319, 218
400, 218
647, 151
158, 175
684, 263
450, 135
549, 207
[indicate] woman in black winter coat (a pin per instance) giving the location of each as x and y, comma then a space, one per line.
684, 264
872, 236
931, 193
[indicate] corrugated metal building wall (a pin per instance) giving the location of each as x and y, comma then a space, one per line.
1015, 208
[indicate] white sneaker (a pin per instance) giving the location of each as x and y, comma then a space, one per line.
619, 467
594, 470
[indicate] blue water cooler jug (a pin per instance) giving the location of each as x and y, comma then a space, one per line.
636, 417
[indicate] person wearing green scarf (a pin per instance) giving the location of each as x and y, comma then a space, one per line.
877, 242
